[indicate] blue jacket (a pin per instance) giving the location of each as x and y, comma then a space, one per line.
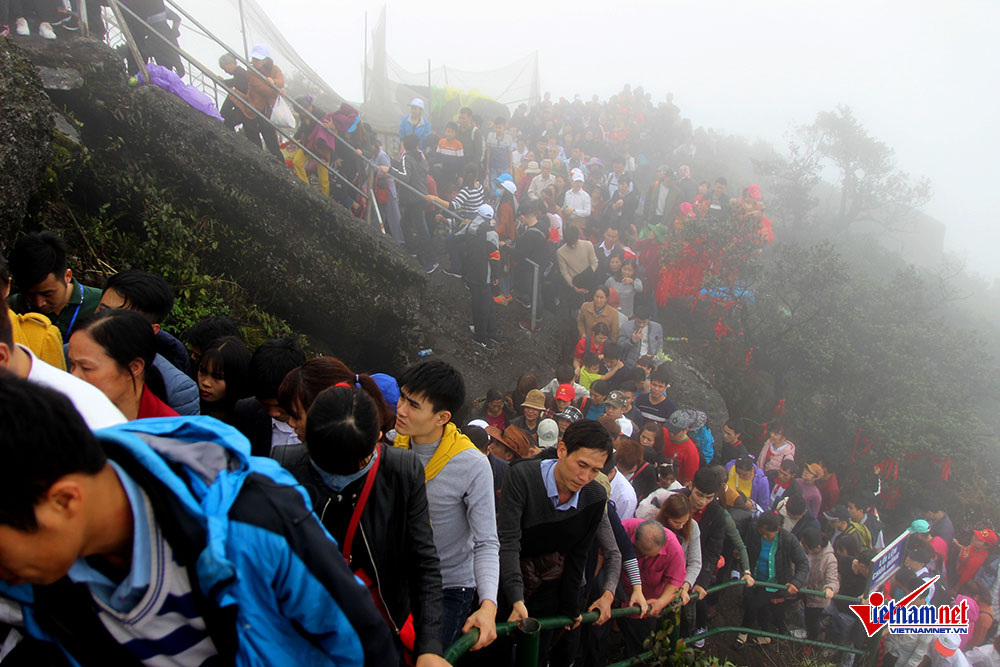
182, 391
268, 579
760, 491
422, 130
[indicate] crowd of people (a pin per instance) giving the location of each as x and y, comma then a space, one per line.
129, 531
345, 517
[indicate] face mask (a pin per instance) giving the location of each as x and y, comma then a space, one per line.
338, 483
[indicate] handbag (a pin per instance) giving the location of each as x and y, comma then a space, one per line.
281, 114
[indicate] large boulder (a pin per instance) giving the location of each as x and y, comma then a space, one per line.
26, 123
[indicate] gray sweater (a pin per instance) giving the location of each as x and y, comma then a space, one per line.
460, 502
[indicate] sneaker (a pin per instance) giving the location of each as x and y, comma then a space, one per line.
432, 268
4, 30
68, 22
501, 300
487, 345
495, 341
527, 326
21, 26
741, 641
451, 273
761, 641
699, 643
45, 30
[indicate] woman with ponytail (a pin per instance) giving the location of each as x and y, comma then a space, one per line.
370, 496
114, 351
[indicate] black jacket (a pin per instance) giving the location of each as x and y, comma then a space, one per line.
413, 172
793, 488
251, 419
791, 566
713, 534
394, 543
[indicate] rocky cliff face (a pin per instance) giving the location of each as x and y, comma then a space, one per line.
297, 255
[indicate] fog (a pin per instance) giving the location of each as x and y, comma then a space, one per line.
919, 76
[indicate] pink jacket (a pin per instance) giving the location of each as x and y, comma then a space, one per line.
666, 568
773, 462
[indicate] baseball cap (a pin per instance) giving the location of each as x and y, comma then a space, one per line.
548, 433
986, 535
680, 420
570, 414
481, 423
565, 392
920, 526
485, 212
616, 399
389, 388
626, 425
577, 175
509, 187
260, 52
838, 513
946, 645
594, 162
417, 102
532, 168
700, 419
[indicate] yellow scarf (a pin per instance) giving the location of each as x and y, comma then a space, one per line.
452, 442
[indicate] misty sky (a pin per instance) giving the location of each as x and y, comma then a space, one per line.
918, 75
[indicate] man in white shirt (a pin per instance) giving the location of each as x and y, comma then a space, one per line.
96, 409
576, 205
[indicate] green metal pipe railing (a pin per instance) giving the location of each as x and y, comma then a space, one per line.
528, 636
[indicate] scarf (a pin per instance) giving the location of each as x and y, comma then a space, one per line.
452, 443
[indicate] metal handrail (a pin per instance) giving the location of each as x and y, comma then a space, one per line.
302, 110
231, 91
469, 639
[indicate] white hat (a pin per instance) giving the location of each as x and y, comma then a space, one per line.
481, 423
548, 433
485, 212
626, 426
417, 102
260, 52
509, 187
577, 175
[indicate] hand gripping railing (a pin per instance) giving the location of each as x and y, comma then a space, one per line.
526, 631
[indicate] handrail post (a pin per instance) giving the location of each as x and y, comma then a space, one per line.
132, 46
534, 296
528, 641
84, 20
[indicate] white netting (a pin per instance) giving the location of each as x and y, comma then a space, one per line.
390, 87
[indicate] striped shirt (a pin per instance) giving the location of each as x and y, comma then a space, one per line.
151, 612
468, 200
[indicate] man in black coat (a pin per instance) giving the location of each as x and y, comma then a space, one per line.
780, 569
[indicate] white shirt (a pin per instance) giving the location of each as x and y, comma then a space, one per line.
624, 497
579, 202
282, 434
96, 409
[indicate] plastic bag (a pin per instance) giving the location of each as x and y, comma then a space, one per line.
281, 114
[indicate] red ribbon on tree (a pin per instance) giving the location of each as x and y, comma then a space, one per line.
721, 330
747, 360
779, 409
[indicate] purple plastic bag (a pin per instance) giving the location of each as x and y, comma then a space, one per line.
169, 81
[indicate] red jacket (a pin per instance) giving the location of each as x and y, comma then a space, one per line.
151, 406
686, 453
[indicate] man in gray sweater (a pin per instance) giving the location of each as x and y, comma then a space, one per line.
459, 497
